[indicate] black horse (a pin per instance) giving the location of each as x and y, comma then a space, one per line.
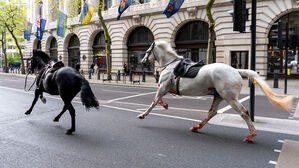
63, 81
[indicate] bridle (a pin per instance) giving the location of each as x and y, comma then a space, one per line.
155, 58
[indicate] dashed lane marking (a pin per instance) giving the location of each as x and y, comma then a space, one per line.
128, 97
272, 162
224, 109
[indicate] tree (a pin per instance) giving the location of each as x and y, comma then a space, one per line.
107, 40
211, 32
3, 46
12, 15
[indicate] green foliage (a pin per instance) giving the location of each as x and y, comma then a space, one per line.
13, 57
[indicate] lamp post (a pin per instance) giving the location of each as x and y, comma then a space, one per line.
253, 55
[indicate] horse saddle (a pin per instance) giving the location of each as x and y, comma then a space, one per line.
56, 66
187, 68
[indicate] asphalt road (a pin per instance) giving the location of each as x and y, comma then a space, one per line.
114, 137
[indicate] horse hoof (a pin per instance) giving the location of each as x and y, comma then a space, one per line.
166, 106
141, 116
193, 129
248, 140
28, 112
69, 132
44, 100
56, 120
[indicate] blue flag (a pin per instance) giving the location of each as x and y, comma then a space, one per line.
61, 23
41, 29
86, 14
27, 32
172, 7
124, 4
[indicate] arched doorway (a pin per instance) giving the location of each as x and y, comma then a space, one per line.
38, 45
74, 51
138, 42
277, 46
53, 50
98, 47
192, 41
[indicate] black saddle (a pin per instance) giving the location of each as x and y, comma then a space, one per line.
56, 66
187, 68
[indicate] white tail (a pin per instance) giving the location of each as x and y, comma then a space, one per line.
284, 102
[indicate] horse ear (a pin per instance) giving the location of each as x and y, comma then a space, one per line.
34, 51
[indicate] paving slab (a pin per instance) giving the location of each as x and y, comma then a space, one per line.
288, 157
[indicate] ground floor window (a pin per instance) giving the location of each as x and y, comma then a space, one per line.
278, 47
239, 59
74, 57
135, 58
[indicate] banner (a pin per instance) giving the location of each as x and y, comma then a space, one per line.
41, 29
124, 4
27, 32
86, 14
172, 7
61, 23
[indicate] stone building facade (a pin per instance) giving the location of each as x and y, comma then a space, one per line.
187, 31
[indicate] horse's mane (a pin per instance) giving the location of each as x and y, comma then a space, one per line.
167, 48
42, 55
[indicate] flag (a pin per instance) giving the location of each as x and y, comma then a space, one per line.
172, 7
61, 23
41, 28
38, 27
27, 32
86, 14
124, 4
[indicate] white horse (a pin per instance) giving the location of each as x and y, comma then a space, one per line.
221, 80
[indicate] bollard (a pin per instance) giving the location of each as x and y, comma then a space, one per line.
157, 76
275, 80
131, 76
99, 74
118, 75
89, 75
143, 76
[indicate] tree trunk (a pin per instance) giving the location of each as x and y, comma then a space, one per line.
107, 40
211, 32
19, 48
3, 40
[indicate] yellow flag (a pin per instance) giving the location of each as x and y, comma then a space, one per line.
88, 16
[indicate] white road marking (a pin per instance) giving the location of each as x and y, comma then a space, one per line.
174, 108
117, 91
281, 141
156, 114
272, 162
127, 97
276, 150
224, 109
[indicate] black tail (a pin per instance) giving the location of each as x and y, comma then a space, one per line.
87, 97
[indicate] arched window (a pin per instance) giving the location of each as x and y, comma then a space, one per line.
192, 41
138, 42
99, 56
277, 46
74, 51
53, 50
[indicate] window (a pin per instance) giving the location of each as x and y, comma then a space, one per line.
239, 59
99, 56
139, 41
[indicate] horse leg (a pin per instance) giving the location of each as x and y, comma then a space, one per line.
163, 104
36, 94
73, 116
42, 98
56, 119
245, 115
158, 97
212, 112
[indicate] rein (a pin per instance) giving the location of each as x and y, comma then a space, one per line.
26, 83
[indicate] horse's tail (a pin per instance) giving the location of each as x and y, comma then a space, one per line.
284, 102
87, 97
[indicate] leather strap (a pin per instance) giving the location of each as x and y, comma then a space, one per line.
178, 85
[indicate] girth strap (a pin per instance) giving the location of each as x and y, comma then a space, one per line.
178, 85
